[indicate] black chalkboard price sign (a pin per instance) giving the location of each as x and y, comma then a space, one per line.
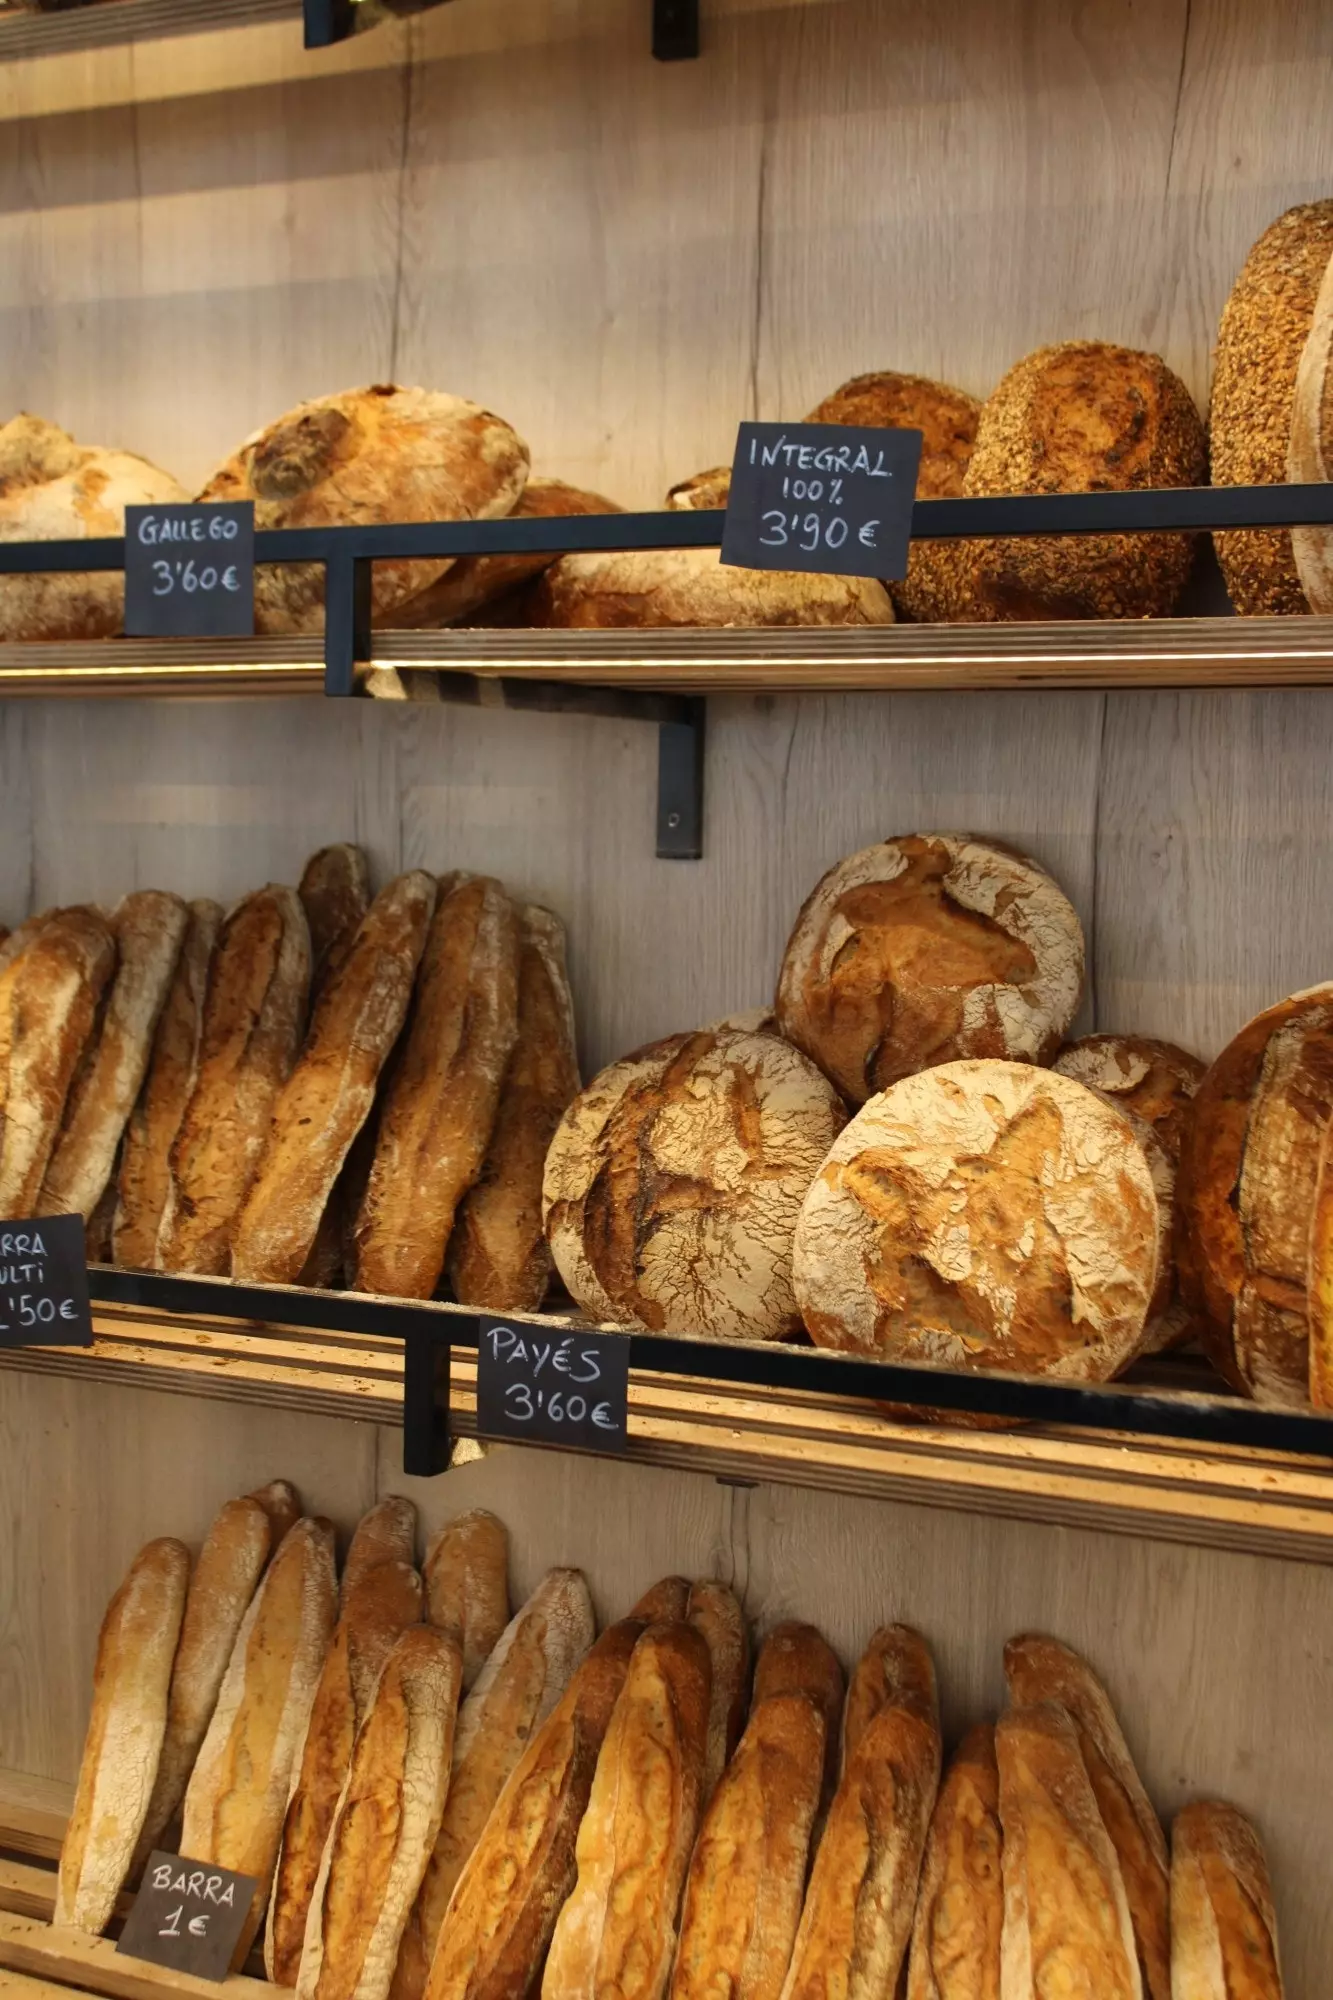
833, 497
190, 570
536, 1385
44, 1284
188, 1916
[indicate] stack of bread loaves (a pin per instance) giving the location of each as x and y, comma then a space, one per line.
634, 1814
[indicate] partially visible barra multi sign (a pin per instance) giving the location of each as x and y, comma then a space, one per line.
833, 497
537, 1385
44, 1284
190, 570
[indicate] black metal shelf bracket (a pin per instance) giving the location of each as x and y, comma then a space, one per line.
327, 21
675, 30
427, 1439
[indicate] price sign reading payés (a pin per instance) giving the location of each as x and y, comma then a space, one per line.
833, 497
536, 1386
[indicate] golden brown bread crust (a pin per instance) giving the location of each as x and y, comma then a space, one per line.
125, 1728
926, 948
713, 1610
471, 582
335, 895
145, 1171
386, 1532
1264, 327
281, 1502
1223, 1927
328, 1096
254, 1015
796, 1659
960, 1905
1066, 1920
50, 993
1040, 1669
440, 1107
1155, 1080
693, 587
664, 1602
498, 1254
466, 1574
889, 1673
368, 455
1310, 447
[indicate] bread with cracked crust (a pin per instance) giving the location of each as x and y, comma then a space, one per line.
956, 1934
715, 1612
797, 1659
386, 1532
471, 583
51, 988
1223, 1926
335, 894
466, 1574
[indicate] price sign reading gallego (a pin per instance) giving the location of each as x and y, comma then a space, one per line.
188, 1916
545, 1387
832, 497
190, 570
44, 1284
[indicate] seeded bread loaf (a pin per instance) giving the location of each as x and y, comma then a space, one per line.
50, 992
467, 1585
1310, 446
1223, 1928
335, 895
713, 1610
960, 1905
472, 582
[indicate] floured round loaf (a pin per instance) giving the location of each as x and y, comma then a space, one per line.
674, 1180
53, 490
1155, 1080
983, 1215
382, 454
947, 420
1310, 445
924, 949
475, 581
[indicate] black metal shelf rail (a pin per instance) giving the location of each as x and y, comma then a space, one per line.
430, 1330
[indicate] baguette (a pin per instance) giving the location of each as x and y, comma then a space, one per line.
1040, 1669
616, 1935
387, 1820
498, 1254
712, 1609
1223, 1928
386, 1532
796, 1659
253, 1016
125, 1730
329, 1094
280, 1502
225, 1579
467, 1585
441, 1103
520, 1684
960, 1905
335, 895
145, 1170
49, 996
149, 929
1066, 1918
237, 1795
664, 1602
857, 1920
875, 1681
494, 1941
377, 1609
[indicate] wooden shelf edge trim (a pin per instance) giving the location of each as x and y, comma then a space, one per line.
92, 1964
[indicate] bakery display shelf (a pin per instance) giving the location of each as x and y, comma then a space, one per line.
25, 32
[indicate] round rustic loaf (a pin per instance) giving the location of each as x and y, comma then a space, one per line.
474, 582
947, 420
52, 489
1265, 324
382, 454
673, 1183
1155, 1080
926, 948
693, 587
982, 1215
1310, 447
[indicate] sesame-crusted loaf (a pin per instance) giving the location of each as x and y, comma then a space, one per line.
1265, 324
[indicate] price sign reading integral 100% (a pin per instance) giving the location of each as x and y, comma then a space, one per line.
538, 1385
44, 1284
831, 497
190, 570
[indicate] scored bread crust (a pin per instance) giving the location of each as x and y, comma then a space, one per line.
983, 1215
1066, 1919
386, 1532
926, 948
471, 582
1310, 446
694, 587
379, 454
1040, 1669
797, 1659
254, 1014
713, 1610
135, 1648
328, 1096
955, 1953
387, 1819
1155, 1080
1223, 1926
50, 993
888, 1673
173, 1064
673, 1183
149, 929
466, 1574
1265, 324
335, 895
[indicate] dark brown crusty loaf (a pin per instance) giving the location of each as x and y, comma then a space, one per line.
472, 582
797, 1659
663, 1602
145, 1169
875, 1681
713, 1610
1310, 447
1155, 1080
1223, 1927
51, 987
335, 895
440, 1108
328, 1096
514, 1885
498, 1254
466, 1574
254, 1014
386, 1532
960, 1905
1265, 325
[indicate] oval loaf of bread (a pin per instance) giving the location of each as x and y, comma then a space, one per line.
1223, 1927
471, 582
50, 993
713, 1610
466, 1574
1155, 1080
960, 1905
335, 895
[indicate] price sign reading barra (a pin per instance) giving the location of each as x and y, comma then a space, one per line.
190, 570
188, 1916
552, 1388
44, 1284
835, 497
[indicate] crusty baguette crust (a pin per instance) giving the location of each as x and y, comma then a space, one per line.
663, 1602
335, 895
237, 1795
328, 1096
50, 993
125, 1730
796, 1659
466, 1574
386, 1532
960, 1905
173, 1064
280, 1501
387, 1820
713, 1610
253, 1017
1223, 1927
889, 1671
377, 1609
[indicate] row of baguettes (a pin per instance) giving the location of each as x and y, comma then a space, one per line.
631, 1816
315, 1083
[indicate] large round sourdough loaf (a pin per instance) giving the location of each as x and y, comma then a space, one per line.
52, 489
1310, 446
474, 582
674, 1180
364, 456
982, 1215
924, 949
